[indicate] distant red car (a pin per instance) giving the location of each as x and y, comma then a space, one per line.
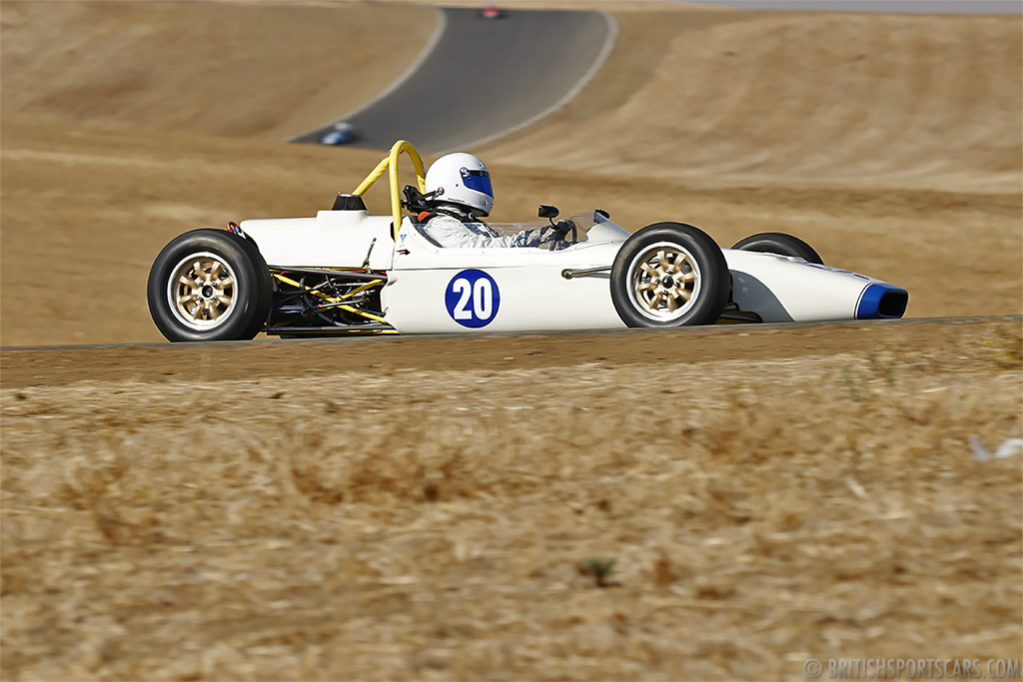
491, 12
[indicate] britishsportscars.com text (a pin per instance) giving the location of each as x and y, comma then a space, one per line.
913, 669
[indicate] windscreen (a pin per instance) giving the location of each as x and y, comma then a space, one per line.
583, 222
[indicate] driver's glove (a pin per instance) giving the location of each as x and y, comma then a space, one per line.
561, 229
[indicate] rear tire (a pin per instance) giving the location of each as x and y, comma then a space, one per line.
781, 244
209, 285
669, 275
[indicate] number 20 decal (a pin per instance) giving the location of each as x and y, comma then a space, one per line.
472, 298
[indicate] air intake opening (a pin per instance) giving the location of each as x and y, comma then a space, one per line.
892, 304
881, 300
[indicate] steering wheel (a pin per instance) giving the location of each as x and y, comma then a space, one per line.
559, 232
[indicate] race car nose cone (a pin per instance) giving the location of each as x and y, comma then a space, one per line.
667, 282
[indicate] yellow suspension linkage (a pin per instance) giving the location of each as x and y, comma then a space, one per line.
335, 299
390, 163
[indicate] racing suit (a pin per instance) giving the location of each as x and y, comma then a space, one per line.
456, 232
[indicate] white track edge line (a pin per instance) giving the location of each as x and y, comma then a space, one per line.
591, 73
440, 25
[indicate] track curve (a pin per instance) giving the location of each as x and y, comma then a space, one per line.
482, 78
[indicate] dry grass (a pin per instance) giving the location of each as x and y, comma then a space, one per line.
430, 524
263, 71
797, 99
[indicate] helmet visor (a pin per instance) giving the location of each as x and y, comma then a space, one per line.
477, 180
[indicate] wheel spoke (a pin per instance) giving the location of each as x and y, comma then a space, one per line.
663, 281
202, 290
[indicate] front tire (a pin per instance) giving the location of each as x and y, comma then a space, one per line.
669, 275
209, 285
781, 244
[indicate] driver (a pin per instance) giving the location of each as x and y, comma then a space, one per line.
459, 194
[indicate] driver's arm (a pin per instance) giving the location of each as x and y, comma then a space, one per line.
454, 234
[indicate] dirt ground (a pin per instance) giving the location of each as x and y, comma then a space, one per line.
419, 508
423, 508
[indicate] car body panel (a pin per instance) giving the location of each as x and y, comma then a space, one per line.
527, 286
786, 289
435, 289
331, 239
524, 298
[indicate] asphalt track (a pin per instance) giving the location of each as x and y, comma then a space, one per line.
479, 79
482, 78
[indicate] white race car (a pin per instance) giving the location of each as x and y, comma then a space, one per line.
347, 271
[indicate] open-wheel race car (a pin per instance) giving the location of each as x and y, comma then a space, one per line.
347, 271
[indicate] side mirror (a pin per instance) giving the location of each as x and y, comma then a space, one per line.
548, 211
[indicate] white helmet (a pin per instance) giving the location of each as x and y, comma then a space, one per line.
462, 180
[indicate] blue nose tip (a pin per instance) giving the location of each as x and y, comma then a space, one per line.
882, 301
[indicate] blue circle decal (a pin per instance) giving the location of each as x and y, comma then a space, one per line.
472, 298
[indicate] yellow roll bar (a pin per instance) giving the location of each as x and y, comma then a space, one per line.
390, 162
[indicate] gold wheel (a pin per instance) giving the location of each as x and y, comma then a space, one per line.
202, 291
664, 281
